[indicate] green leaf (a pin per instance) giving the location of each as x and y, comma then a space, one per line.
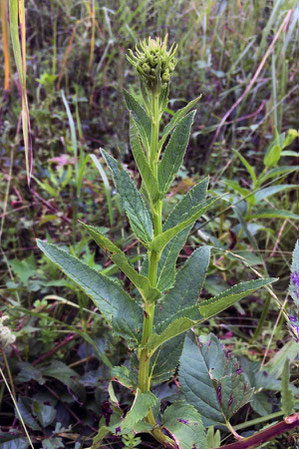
24, 409
159, 242
44, 413
212, 381
166, 359
142, 404
12, 441
60, 371
125, 377
184, 424
225, 299
272, 190
213, 439
148, 178
249, 167
167, 264
174, 152
120, 259
244, 192
287, 398
24, 269
132, 201
140, 116
276, 172
174, 329
176, 118
107, 295
52, 443
181, 300
275, 213
272, 155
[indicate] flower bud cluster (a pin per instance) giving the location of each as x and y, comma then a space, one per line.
154, 63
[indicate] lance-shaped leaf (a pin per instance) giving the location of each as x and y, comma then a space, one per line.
184, 424
287, 398
165, 361
132, 201
225, 299
274, 213
212, 381
148, 178
181, 300
262, 194
161, 240
140, 116
176, 118
167, 263
112, 301
142, 404
120, 259
174, 152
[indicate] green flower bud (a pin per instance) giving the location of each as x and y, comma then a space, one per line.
153, 63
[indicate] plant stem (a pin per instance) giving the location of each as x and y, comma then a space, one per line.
289, 423
144, 379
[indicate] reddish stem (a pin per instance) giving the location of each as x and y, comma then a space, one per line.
265, 435
56, 347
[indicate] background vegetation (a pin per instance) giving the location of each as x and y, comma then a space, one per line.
76, 70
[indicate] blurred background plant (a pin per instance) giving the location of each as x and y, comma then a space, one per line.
58, 367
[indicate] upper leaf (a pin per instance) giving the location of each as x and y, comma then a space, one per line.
132, 201
212, 381
176, 118
184, 423
181, 300
167, 263
140, 116
225, 299
161, 240
174, 152
150, 181
120, 259
107, 295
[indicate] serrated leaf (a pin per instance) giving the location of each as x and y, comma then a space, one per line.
274, 213
10, 441
52, 443
181, 300
167, 264
142, 404
177, 327
183, 422
272, 190
60, 371
176, 118
140, 116
24, 410
132, 201
148, 178
44, 413
211, 380
225, 299
166, 359
174, 152
159, 242
108, 296
287, 398
120, 259
125, 377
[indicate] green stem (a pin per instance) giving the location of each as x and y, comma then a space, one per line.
144, 379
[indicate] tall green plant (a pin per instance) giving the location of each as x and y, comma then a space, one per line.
166, 302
